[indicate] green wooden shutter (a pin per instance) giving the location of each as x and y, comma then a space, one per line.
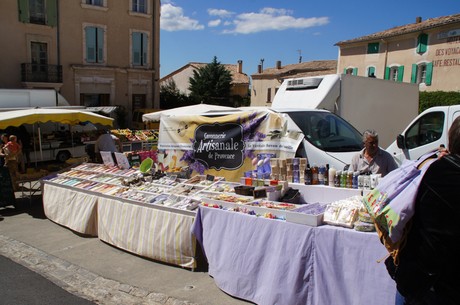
387, 73
372, 48
51, 13
413, 76
400, 73
145, 43
136, 45
344, 70
355, 71
422, 42
90, 44
100, 45
429, 73
23, 6
371, 70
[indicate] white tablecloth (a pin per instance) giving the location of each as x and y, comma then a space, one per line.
71, 208
149, 232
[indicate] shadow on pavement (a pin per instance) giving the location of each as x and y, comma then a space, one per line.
32, 206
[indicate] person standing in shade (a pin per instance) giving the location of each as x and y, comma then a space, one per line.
12, 150
107, 142
372, 159
428, 267
3, 141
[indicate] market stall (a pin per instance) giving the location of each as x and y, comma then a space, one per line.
233, 184
99, 200
273, 262
50, 148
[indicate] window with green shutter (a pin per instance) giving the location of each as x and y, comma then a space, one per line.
413, 76
139, 48
422, 73
372, 48
387, 73
42, 12
429, 73
422, 43
51, 13
371, 71
94, 44
400, 75
394, 73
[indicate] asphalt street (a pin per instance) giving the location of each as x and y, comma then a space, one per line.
45, 263
19, 285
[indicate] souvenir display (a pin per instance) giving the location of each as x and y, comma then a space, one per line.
343, 212
268, 199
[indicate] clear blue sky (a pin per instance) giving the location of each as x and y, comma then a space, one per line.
251, 30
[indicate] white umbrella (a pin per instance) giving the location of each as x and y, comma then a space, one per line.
193, 109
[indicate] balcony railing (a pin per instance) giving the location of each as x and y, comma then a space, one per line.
41, 73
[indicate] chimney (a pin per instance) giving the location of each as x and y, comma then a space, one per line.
239, 69
278, 64
418, 19
259, 69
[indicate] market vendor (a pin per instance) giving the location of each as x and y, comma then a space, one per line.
372, 159
108, 142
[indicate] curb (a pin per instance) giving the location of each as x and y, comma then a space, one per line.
79, 281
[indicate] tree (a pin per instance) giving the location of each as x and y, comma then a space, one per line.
171, 97
211, 84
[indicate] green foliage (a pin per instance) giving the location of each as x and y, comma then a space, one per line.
211, 84
171, 97
438, 98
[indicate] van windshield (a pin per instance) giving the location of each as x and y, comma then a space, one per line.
327, 131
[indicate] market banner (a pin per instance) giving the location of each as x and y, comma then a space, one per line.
226, 145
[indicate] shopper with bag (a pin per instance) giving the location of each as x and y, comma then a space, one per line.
427, 269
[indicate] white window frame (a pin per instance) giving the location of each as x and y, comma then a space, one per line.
394, 73
104, 60
136, 3
131, 63
421, 73
148, 9
95, 7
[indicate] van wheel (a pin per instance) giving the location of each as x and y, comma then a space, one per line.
63, 156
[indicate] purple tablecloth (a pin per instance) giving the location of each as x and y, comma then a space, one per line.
273, 262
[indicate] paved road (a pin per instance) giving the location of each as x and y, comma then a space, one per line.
88, 267
19, 285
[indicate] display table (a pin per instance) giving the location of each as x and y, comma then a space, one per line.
148, 232
71, 208
274, 262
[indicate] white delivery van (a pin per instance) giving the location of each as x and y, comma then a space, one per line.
425, 133
328, 139
366, 103
26, 98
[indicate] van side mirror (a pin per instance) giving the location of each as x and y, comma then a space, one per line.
400, 141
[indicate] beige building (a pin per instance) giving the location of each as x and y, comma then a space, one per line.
181, 77
424, 52
95, 52
266, 82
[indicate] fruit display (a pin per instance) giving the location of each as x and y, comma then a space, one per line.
126, 135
